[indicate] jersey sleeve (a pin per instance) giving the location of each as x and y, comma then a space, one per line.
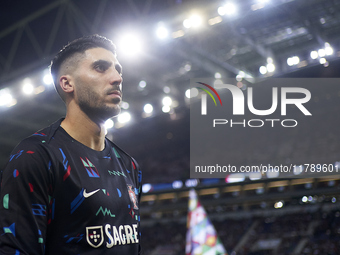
26, 186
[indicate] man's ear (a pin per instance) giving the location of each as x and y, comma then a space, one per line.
66, 84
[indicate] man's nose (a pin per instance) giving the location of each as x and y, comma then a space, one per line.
116, 78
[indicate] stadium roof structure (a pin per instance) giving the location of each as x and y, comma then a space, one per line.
180, 40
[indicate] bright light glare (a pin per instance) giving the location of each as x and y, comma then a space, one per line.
146, 187
5, 97
194, 21
218, 76
28, 88
229, 9
109, 124
314, 54
293, 61
177, 184
47, 79
124, 117
167, 101
215, 20
321, 53
221, 11
322, 61
271, 67
187, 23
148, 108
162, 32
237, 177
304, 199
166, 90
329, 51
130, 44
142, 84
166, 108
263, 70
190, 93
125, 105
278, 205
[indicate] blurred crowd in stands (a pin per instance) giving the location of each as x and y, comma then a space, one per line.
302, 233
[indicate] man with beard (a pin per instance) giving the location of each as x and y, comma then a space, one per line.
67, 189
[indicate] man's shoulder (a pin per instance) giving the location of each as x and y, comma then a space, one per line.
39, 139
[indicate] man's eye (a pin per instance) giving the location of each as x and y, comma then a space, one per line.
100, 68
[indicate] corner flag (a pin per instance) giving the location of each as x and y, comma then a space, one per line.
201, 237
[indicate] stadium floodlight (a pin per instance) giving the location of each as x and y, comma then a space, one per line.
5, 97
187, 23
125, 105
195, 20
321, 53
124, 117
167, 101
142, 84
166, 90
162, 32
190, 93
177, 184
27, 87
218, 75
328, 49
263, 70
148, 108
130, 44
47, 79
109, 124
166, 108
270, 67
228, 9
278, 205
146, 187
322, 61
314, 54
290, 61
293, 61
235, 177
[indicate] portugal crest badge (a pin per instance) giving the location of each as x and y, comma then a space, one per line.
94, 236
133, 196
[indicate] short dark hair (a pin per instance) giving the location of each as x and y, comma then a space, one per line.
79, 45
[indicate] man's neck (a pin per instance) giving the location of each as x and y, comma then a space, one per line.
81, 128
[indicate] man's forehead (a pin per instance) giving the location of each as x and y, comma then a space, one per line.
95, 54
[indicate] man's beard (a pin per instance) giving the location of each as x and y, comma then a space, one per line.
91, 104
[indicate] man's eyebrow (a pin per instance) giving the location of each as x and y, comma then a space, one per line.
102, 62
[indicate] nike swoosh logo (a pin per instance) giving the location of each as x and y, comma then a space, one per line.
86, 195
